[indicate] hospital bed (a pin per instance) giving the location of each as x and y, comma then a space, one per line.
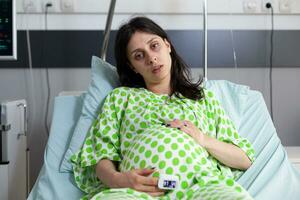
271, 176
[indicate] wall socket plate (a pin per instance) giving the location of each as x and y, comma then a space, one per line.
52, 8
250, 6
285, 6
29, 6
264, 9
67, 5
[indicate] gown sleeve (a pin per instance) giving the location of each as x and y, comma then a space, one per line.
225, 128
102, 142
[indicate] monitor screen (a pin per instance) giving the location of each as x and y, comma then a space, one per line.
8, 42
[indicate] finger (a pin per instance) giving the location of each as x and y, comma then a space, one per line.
151, 181
170, 123
184, 123
187, 130
160, 190
188, 123
156, 194
147, 188
174, 124
144, 172
174, 121
178, 122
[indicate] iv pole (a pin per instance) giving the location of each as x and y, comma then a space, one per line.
107, 29
204, 39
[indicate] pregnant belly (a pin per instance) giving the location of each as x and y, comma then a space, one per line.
169, 150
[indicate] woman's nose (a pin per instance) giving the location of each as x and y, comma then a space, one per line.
152, 59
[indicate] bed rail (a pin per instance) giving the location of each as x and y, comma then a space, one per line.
204, 3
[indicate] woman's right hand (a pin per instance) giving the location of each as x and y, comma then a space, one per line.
139, 180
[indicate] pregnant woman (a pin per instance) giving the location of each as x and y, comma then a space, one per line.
159, 124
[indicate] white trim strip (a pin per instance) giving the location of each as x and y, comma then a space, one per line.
170, 22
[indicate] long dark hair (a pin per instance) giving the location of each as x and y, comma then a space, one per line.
180, 73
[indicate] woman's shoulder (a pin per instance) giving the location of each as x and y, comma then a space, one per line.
209, 96
208, 93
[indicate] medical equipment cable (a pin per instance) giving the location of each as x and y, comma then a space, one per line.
269, 6
47, 71
233, 46
234, 55
32, 113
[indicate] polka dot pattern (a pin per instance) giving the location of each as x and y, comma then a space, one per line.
130, 130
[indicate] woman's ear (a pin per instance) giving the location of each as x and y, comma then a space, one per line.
168, 45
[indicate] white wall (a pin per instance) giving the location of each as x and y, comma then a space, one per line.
170, 14
158, 6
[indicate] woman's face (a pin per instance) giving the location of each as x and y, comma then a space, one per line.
149, 55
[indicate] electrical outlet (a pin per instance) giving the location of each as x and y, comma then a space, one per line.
264, 3
250, 6
67, 5
52, 8
285, 6
29, 6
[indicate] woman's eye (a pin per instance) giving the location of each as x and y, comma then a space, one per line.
138, 56
155, 45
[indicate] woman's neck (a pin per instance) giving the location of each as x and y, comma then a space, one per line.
161, 88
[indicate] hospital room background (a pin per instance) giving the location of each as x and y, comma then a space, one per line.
248, 44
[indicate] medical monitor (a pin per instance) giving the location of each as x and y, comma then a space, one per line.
8, 40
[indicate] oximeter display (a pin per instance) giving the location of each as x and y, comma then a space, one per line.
169, 184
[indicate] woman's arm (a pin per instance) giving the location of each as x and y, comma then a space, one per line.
106, 172
226, 153
137, 179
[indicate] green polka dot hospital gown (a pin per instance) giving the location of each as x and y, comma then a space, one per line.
130, 129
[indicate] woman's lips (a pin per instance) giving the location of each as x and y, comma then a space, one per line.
157, 69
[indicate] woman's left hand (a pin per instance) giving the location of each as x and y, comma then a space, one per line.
189, 128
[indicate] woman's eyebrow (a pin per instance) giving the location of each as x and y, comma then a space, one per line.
149, 41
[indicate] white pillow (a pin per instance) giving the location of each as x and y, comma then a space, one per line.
232, 97
104, 80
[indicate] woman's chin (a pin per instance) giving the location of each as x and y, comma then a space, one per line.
161, 76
